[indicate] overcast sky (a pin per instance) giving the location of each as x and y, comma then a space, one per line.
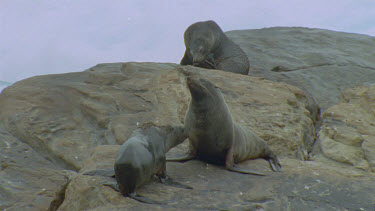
47, 36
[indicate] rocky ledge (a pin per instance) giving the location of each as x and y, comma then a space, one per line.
309, 95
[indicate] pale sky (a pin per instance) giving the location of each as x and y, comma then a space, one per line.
49, 36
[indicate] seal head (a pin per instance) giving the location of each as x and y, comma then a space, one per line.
208, 47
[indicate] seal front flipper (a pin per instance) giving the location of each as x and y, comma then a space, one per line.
210, 61
169, 181
186, 157
133, 195
143, 199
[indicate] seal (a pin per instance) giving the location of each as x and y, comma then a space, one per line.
141, 157
207, 46
213, 135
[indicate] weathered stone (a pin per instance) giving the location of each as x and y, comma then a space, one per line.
348, 131
321, 62
76, 121
79, 113
69, 115
103, 157
341, 152
27, 180
369, 150
306, 185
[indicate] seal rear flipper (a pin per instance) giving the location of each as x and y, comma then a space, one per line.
275, 164
230, 166
244, 171
143, 199
101, 172
169, 181
113, 185
182, 158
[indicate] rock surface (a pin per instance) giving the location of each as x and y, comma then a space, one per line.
348, 130
321, 62
27, 180
54, 127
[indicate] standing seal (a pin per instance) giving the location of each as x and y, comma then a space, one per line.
214, 137
207, 46
141, 157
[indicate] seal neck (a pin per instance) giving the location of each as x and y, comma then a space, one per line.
175, 137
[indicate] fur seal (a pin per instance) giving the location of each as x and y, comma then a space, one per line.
213, 135
141, 157
207, 46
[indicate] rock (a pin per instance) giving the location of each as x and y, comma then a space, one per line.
102, 157
321, 62
302, 185
65, 117
53, 126
27, 180
348, 130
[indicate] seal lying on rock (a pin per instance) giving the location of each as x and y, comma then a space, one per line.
207, 46
141, 157
214, 137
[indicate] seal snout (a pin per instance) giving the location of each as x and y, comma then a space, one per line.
195, 87
192, 83
189, 81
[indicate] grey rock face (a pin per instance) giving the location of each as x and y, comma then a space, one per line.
321, 62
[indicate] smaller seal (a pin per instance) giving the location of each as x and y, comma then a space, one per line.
207, 46
141, 157
213, 135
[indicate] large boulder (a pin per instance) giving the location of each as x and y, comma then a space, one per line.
54, 127
321, 62
64, 117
